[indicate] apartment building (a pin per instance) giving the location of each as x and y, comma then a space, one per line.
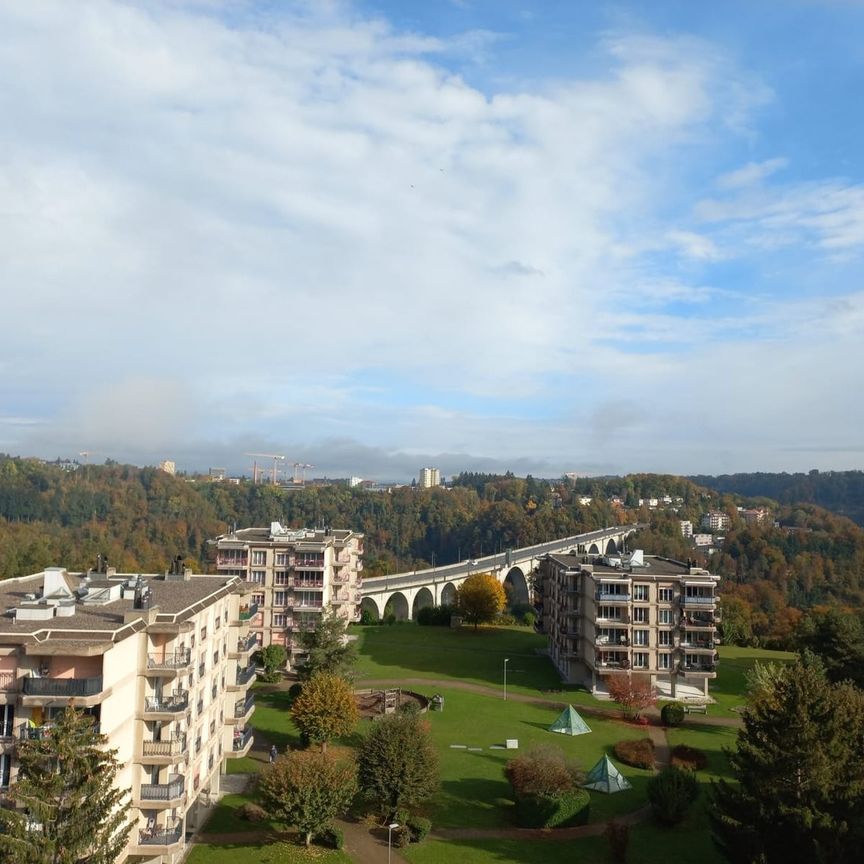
715, 520
635, 614
161, 663
295, 575
429, 477
686, 528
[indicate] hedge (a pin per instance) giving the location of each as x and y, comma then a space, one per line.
553, 811
639, 753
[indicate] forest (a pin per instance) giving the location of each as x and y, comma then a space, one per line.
802, 557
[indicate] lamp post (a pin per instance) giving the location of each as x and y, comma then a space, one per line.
390, 828
506, 661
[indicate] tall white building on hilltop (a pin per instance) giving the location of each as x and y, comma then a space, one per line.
295, 575
429, 477
162, 665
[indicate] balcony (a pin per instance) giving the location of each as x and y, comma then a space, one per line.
699, 622
176, 703
244, 676
697, 644
168, 664
608, 639
242, 709
306, 604
60, 688
231, 561
248, 612
8, 681
171, 749
610, 597
161, 837
170, 793
242, 742
697, 668
699, 600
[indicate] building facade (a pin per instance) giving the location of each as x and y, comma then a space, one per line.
715, 520
428, 478
163, 666
295, 575
637, 615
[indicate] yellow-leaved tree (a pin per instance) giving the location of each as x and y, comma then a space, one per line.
480, 598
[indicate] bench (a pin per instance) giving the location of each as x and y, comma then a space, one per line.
695, 709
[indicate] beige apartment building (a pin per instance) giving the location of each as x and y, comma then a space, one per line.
161, 663
294, 576
634, 614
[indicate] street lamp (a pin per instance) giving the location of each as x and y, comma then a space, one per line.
506, 661
390, 829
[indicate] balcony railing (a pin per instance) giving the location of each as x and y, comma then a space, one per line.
178, 701
163, 791
160, 837
171, 747
229, 561
241, 709
609, 597
698, 621
241, 740
247, 644
8, 680
249, 611
245, 675
699, 600
698, 645
177, 660
317, 585
63, 687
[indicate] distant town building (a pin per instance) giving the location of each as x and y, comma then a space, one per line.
703, 539
168, 466
217, 474
428, 478
638, 615
715, 520
755, 516
686, 528
585, 500
162, 664
295, 575
354, 481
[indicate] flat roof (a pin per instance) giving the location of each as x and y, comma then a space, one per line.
290, 538
654, 566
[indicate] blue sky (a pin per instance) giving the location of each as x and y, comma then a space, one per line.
558, 236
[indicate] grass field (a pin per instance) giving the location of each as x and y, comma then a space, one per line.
730, 685
270, 853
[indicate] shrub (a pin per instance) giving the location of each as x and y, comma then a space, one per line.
418, 828
672, 714
617, 835
633, 694
520, 610
553, 811
638, 753
367, 618
542, 771
330, 838
688, 757
670, 793
529, 619
252, 812
412, 708
401, 836
294, 691
435, 616
270, 677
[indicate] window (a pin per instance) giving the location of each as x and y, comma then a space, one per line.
664, 637
664, 616
640, 592
309, 598
259, 557
278, 619
640, 660
280, 577
640, 616
280, 598
663, 661
203, 632
610, 613
665, 595
281, 559
5, 770
258, 599
640, 637
257, 576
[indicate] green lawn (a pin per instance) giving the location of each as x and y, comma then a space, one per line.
270, 853
730, 685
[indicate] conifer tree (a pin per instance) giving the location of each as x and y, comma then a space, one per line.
327, 649
68, 809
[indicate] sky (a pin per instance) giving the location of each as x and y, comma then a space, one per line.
477, 234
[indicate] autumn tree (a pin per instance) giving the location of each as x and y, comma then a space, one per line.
480, 598
633, 693
397, 764
799, 771
327, 649
325, 709
308, 789
67, 786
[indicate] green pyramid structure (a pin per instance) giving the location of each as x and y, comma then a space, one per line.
570, 723
605, 777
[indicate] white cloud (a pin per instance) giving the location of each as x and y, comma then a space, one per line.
751, 173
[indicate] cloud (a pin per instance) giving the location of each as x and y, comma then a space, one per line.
751, 173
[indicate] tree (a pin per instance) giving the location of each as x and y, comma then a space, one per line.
670, 793
67, 786
633, 694
273, 658
308, 789
543, 770
736, 624
799, 767
328, 649
837, 638
325, 709
397, 764
480, 598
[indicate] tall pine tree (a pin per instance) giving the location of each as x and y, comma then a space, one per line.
68, 808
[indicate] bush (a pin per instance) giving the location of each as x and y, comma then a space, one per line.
638, 753
617, 835
688, 757
401, 836
411, 707
271, 677
252, 812
366, 617
418, 828
294, 691
672, 714
435, 616
670, 793
330, 838
529, 619
553, 811
542, 771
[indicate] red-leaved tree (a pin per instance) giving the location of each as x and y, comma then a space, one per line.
633, 694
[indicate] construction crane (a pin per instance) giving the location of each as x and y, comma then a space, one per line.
274, 456
300, 471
